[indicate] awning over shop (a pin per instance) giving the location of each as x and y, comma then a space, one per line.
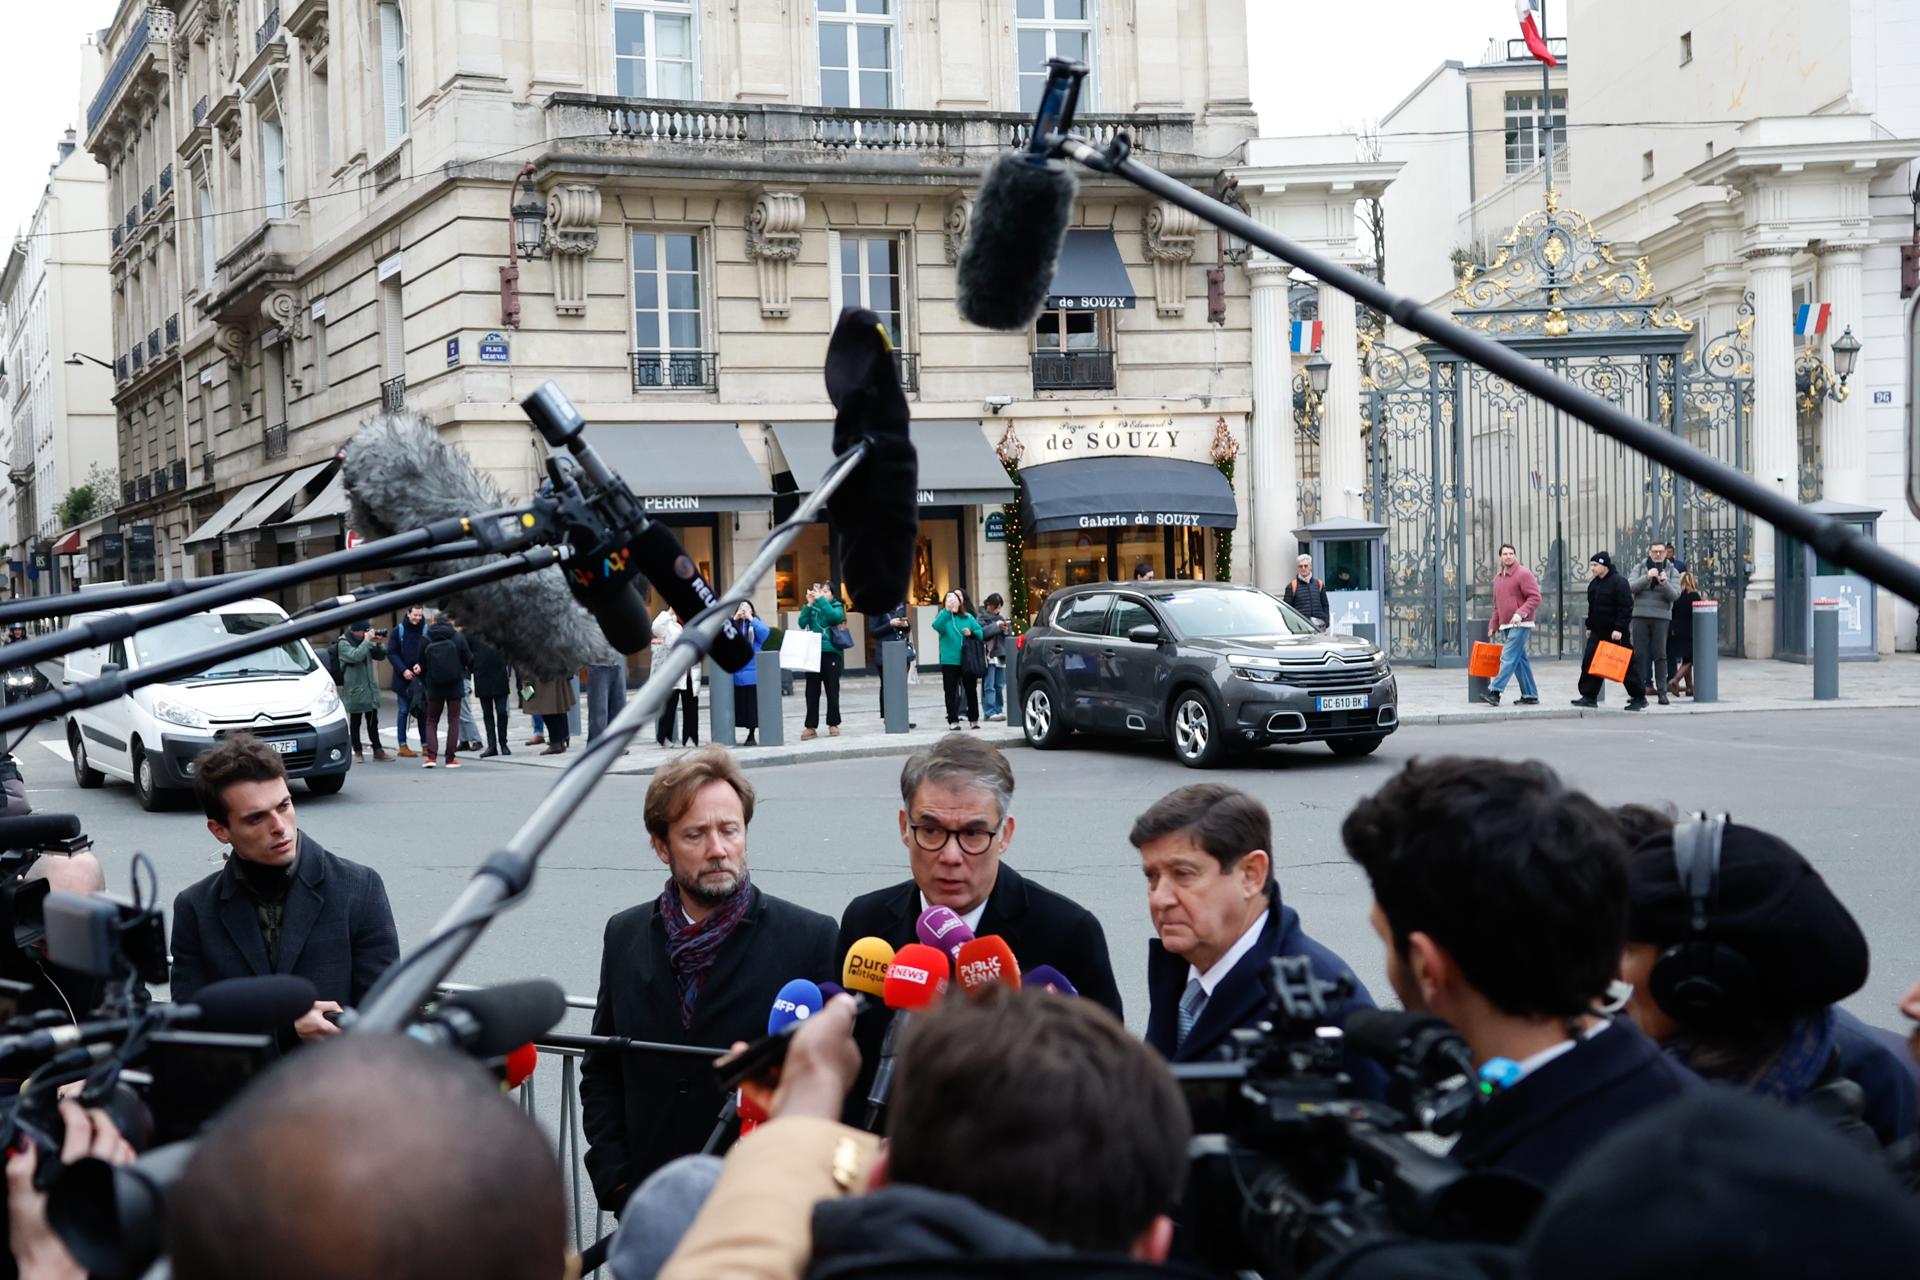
958, 468
69, 545
1102, 493
270, 508
328, 508
677, 467
236, 506
1090, 275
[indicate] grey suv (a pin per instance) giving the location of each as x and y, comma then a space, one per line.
1207, 665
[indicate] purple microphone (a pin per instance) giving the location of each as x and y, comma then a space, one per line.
943, 929
1049, 977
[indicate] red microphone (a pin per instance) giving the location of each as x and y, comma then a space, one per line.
520, 1065
917, 977
985, 962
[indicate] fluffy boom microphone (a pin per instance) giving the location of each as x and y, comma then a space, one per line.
1019, 223
877, 509
400, 475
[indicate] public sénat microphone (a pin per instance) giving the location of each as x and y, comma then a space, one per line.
986, 962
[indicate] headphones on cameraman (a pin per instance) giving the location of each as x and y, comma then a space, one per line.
1698, 978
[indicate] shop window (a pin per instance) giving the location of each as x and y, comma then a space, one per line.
1045, 29
1073, 350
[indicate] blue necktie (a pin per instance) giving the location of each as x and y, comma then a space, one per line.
1191, 1004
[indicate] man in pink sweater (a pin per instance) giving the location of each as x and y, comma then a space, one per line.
1516, 598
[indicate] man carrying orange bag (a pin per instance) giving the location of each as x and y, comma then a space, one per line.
1516, 598
1609, 619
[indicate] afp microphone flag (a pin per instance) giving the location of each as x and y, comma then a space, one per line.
1528, 12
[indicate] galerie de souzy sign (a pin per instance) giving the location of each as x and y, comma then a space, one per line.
1099, 436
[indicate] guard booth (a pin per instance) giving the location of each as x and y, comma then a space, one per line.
1350, 556
1804, 575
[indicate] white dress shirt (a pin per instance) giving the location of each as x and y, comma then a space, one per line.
1224, 965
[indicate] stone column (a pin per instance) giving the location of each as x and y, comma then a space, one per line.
1843, 426
1343, 465
1775, 461
1274, 495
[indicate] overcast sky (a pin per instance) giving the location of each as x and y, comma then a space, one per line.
40, 94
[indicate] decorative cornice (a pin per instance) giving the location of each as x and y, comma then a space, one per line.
1772, 251
231, 341
773, 241
1169, 232
573, 233
280, 309
959, 222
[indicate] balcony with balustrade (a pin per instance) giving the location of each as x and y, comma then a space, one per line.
173, 330
137, 68
393, 395
674, 370
1073, 371
274, 440
153, 345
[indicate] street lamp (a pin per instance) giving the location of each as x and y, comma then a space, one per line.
1846, 354
79, 358
527, 224
1317, 370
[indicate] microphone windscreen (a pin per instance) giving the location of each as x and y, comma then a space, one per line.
877, 509
942, 927
1020, 220
797, 1001
986, 961
666, 564
246, 1006
917, 977
1384, 1034
510, 1014
37, 830
865, 969
520, 1065
400, 476
1050, 978
828, 990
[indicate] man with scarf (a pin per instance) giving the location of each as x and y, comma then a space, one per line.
700, 965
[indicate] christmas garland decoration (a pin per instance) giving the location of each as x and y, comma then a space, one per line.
1010, 450
1225, 450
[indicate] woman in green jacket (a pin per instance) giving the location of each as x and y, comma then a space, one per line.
953, 624
823, 614
357, 651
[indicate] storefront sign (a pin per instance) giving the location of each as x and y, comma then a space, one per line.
1101, 437
139, 548
996, 526
112, 547
682, 502
493, 349
1166, 519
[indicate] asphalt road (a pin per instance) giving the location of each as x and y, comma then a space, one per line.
1838, 784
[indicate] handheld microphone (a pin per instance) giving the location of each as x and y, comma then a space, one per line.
876, 509
520, 1065
916, 978
865, 969
797, 1001
986, 962
400, 475
493, 1022
943, 928
828, 990
660, 557
792, 1006
234, 1005
1049, 978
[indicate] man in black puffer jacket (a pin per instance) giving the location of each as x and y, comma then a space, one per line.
1609, 619
444, 664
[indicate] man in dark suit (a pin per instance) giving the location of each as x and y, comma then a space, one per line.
955, 824
1220, 921
1501, 896
700, 964
281, 904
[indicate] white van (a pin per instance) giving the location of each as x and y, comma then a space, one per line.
281, 695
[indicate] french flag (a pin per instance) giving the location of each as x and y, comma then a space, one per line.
1530, 31
1306, 337
1810, 320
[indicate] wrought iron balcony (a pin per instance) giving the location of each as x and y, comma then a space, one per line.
146, 201
117, 74
907, 365
690, 370
119, 235
276, 440
143, 488
133, 218
139, 355
126, 493
173, 329
393, 394
206, 468
153, 345
166, 180
267, 28
159, 480
1073, 371
200, 111
120, 368
179, 471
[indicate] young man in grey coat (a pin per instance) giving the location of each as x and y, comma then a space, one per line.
1655, 587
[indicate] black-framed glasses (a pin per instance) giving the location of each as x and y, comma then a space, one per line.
932, 837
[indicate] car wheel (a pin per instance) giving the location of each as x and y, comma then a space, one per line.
327, 785
1195, 731
1356, 746
85, 775
1044, 726
146, 788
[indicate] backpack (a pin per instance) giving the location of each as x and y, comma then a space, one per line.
330, 659
973, 657
441, 664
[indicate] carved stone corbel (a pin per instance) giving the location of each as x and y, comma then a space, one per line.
231, 341
280, 309
573, 233
959, 222
1169, 234
773, 242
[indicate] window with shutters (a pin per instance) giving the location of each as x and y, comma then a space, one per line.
653, 49
857, 42
273, 166
1045, 29
393, 71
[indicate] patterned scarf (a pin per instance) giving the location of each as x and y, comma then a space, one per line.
1800, 1063
692, 948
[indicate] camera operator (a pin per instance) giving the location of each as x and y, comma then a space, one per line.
370, 1156
1747, 993
24, 958
1029, 1135
1501, 896
36, 1252
282, 903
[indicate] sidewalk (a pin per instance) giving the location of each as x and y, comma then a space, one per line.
1427, 697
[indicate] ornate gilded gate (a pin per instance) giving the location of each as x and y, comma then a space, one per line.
1459, 460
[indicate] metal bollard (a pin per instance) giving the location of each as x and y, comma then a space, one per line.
1476, 685
1706, 651
1826, 650
720, 721
766, 670
1016, 710
893, 685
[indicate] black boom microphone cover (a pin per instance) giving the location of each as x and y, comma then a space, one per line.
680, 583
876, 510
265, 1002
1020, 220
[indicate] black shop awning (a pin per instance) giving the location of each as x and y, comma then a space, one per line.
1102, 493
958, 468
677, 467
1090, 275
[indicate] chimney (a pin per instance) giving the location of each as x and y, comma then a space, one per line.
68, 145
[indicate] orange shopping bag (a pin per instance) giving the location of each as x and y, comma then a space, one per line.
1485, 661
1610, 661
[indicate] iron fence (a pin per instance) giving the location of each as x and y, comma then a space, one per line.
693, 370
1073, 371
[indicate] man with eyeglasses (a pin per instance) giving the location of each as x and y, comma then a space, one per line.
956, 828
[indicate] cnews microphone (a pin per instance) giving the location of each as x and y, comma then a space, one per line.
234, 1005
1051, 979
943, 928
493, 1022
986, 962
916, 978
520, 1065
865, 970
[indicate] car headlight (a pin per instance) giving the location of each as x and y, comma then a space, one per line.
181, 714
328, 702
19, 681
1259, 675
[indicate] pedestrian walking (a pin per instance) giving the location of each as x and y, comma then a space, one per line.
493, 685
746, 681
998, 634
444, 663
553, 700
408, 638
961, 665
1308, 594
1655, 587
469, 727
1516, 599
683, 703
1609, 619
1680, 636
827, 616
606, 695
356, 652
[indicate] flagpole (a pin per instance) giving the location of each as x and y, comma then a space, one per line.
1546, 101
